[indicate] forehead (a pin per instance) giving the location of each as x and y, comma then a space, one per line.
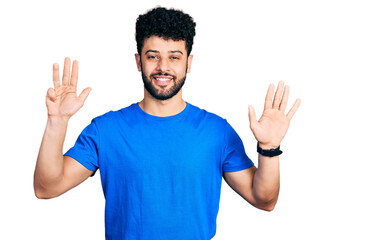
163, 45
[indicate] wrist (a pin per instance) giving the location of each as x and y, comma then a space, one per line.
267, 146
268, 150
57, 121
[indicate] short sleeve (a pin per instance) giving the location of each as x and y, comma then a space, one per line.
235, 158
85, 150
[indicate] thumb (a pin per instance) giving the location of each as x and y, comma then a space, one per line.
51, 94
84, 94
252, 117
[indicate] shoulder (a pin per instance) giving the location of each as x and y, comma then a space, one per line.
208, 118
114, 115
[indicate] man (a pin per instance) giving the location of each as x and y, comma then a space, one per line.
161, 160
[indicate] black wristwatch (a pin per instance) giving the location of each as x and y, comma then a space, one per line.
269, 152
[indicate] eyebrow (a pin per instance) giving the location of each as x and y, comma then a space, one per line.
155, 51
177, 51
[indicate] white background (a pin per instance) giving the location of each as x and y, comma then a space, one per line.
319, 48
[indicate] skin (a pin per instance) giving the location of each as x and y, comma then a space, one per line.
56, 174
159, 55
260, 186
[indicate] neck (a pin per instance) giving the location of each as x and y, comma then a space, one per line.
162, 108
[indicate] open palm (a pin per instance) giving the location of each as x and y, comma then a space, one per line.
62, 100
271, 128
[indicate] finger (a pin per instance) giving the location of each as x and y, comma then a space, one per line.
277, 99
285, 98
252, 117
293, 110
66, 72
268, 101
84, 94
56, 76
74, 77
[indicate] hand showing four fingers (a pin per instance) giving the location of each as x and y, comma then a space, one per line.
62, 100
271, 128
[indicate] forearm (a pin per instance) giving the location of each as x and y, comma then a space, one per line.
269, 131
266, 182
49, 166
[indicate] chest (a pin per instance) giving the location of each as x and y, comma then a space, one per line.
161, 150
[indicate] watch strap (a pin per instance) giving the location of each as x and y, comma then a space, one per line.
269, 152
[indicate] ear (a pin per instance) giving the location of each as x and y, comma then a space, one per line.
138, 61
190, 59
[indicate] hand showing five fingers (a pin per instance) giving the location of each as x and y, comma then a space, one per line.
62, 100
271, 128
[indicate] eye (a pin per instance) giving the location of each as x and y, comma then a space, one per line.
152, 57
175, 58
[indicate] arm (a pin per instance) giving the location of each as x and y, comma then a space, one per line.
54, 173
260, 186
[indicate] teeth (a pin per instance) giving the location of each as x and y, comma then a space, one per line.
163, 79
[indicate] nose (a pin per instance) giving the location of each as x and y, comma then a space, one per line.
162, 65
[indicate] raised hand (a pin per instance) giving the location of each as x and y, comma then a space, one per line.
62, 100
271, 128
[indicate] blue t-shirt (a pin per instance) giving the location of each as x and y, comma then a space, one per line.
161, 176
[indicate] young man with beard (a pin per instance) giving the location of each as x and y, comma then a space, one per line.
161, 160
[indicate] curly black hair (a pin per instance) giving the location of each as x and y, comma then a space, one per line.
166, 23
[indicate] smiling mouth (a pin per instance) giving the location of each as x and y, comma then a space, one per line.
162, 79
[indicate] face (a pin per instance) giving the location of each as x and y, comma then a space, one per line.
164, 64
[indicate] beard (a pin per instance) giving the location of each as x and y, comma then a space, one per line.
162, 94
